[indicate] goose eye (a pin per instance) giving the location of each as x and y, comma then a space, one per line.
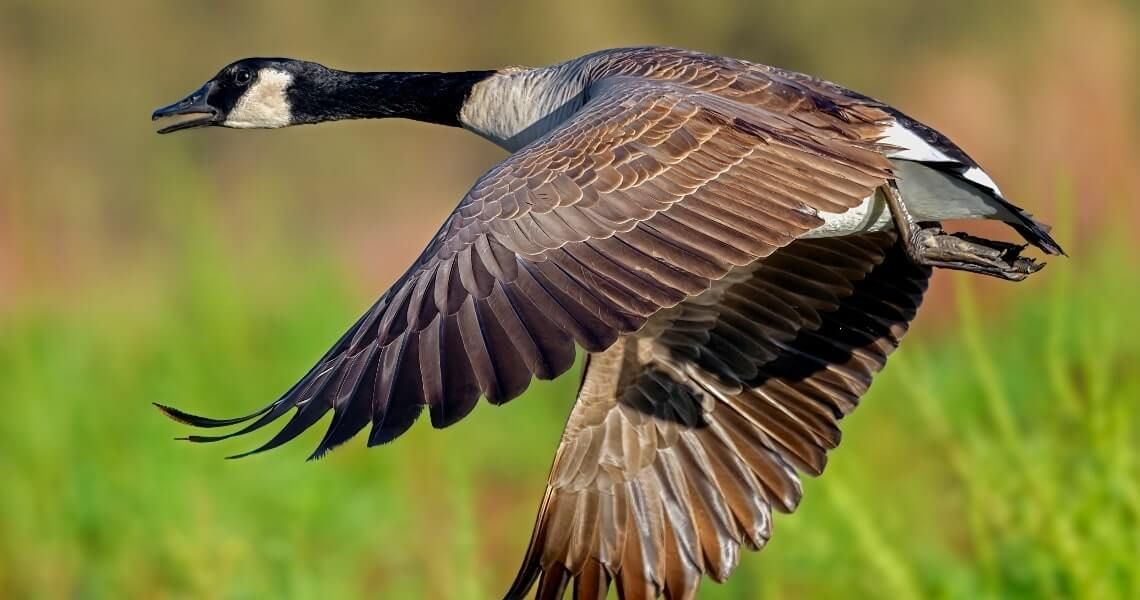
242, 77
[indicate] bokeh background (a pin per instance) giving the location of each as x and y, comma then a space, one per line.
996, 457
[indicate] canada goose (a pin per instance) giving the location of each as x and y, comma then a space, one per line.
721, 237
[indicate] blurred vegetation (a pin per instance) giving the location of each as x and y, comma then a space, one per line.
996, 456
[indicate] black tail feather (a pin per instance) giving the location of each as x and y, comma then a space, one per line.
1034, 232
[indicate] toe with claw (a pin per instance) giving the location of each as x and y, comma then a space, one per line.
934, 247
931, 246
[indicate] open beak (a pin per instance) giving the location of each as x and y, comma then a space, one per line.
194, 107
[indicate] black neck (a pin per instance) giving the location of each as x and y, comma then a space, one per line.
429, 97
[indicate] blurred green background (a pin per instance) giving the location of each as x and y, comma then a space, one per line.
996, 457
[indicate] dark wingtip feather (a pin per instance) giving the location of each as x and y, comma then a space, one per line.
304, 418
344, 427
349, 417
204, 422
393, 424
204, 439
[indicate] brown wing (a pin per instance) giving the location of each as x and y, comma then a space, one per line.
685, 436
652, 191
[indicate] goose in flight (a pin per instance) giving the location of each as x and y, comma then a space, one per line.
736, 247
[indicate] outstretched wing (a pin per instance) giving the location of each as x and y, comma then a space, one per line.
687, 434
639, 201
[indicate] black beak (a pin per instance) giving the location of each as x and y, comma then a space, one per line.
194, 104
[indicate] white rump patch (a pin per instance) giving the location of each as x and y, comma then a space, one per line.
980, 177
911, 146
264, 105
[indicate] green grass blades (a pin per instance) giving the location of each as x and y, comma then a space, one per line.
995, 460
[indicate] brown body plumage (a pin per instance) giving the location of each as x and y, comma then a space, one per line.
658, 218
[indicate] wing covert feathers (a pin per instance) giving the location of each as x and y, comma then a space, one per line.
673, 174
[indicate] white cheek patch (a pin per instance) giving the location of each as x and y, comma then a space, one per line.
264, 105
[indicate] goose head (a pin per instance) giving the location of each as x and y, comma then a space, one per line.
252, 93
